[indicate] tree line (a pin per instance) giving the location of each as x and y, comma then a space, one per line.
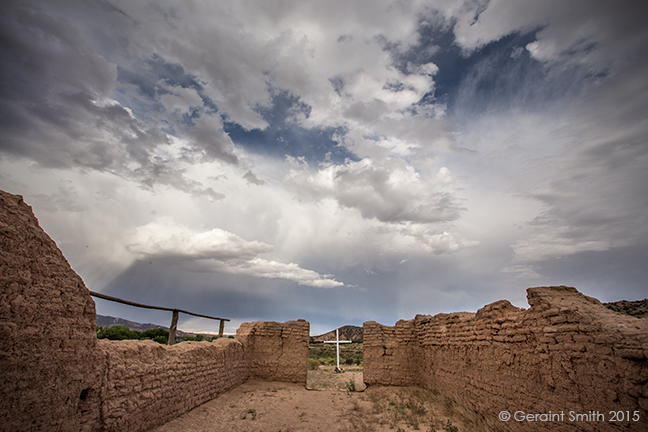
158, 335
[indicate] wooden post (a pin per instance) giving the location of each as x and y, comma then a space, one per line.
221, 328
174, 326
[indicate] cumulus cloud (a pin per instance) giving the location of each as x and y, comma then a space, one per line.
391, 191
168, 239
261, 268
226, 251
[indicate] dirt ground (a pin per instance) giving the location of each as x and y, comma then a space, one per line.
285, 407
325, 378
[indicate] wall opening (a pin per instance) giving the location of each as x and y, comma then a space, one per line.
322, 364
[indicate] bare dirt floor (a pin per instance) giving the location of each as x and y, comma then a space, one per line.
325, 378
284, 407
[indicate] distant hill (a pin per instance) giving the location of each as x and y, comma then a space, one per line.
348, 332
638, 308
108, 321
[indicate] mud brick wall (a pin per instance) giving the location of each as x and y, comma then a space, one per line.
147, 384
392, 355
56, 376
276, 351
48, 357
567, 352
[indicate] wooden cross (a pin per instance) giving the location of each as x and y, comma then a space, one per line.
337, 342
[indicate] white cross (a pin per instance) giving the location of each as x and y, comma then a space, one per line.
337, 342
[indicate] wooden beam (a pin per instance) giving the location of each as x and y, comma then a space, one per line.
174, 327
221, 328
118, 300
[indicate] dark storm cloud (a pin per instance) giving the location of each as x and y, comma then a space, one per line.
240, 296
57, 109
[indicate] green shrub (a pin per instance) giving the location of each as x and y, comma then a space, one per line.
313, 364
119, 332
161, 340
351, 385
154, 333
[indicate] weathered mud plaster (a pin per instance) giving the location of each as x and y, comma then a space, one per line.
566, 352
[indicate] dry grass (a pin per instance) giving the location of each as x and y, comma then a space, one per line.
412, 408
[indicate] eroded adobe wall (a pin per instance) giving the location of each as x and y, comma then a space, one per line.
567, 352
276, 351
392, 355
48, 355
55, 375
147, 384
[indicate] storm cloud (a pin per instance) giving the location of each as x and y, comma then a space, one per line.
333, 161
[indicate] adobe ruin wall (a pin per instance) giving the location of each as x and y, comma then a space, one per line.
56, 375
276, 351
48, 346
567, 352
146, 384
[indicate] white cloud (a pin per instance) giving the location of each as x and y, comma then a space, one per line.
261, 268
416, 237
229, 253
391, 191
165, 238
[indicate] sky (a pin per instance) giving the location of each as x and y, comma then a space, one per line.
335, 161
